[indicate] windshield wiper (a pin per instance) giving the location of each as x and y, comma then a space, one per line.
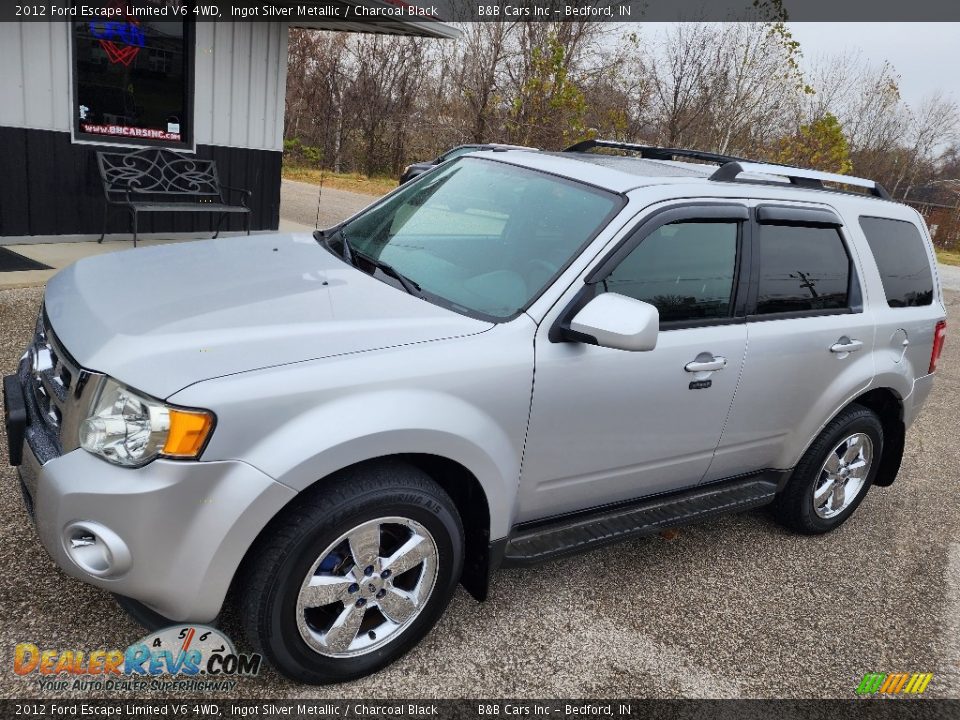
411, 286
351, 256
324, 237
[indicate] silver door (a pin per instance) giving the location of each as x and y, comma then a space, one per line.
610, 425
810, 345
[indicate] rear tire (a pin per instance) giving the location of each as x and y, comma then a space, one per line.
354, 575
834, 474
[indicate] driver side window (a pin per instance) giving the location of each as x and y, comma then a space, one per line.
685, 269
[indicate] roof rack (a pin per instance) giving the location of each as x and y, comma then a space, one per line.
732, 167
652, 152
802, 177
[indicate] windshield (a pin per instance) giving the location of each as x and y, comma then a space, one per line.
457, 152
483, 236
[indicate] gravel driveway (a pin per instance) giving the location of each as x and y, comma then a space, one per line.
732, 607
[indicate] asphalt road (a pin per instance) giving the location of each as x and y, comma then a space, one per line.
949, 276
730, 608
299, 203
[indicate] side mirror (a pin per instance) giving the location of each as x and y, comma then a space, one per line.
617, 321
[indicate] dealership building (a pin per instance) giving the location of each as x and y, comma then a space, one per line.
211, 90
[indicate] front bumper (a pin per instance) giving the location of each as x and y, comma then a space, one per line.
185, 525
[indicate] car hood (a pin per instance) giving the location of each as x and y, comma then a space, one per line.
164, 317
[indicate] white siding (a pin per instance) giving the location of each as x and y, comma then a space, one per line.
239, 84
35, 75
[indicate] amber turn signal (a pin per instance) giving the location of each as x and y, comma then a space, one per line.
188, 433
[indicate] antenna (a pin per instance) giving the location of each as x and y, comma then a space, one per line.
323, 166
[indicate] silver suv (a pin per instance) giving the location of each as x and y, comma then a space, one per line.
517, 356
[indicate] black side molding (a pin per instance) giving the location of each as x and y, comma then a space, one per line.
582, 532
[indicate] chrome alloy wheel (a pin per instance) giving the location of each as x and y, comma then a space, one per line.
367, 587
843, 475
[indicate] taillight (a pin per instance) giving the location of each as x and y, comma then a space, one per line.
939, 335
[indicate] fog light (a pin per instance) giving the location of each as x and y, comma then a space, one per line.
96, 549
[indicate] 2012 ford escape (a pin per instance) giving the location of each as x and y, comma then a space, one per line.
516, 356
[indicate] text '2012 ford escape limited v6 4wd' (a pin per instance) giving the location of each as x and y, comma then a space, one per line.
516, 356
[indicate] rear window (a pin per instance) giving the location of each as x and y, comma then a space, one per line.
902, 258
802, 269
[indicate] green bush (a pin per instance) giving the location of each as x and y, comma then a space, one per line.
295, 153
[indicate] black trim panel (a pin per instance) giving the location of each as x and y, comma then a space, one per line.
50, 186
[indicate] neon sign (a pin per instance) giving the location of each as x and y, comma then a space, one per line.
110, 32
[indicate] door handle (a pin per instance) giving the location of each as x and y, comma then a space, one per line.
846, 345
715, 363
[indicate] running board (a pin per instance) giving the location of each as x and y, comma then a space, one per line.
583, 532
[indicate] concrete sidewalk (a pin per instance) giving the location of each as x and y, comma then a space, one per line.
301, 206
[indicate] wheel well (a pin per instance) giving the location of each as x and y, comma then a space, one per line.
889, 408
471, 503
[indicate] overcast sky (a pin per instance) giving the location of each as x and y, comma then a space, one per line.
926, 55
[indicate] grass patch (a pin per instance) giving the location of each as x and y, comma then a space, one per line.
354, 182
948, 257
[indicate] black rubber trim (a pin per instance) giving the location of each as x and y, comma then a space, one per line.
14, 417
479, 585
567, 535
792, 215
27, 500
149, 619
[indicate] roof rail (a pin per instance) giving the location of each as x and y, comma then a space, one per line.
651, 152
731, 167
729, 172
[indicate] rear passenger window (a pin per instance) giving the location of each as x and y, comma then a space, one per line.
901, 255
802, 269
685, 269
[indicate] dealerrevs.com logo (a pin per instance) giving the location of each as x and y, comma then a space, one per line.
199, 658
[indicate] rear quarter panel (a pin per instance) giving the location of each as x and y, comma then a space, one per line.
899, 367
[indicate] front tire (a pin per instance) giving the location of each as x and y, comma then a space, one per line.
833, 476
354, 575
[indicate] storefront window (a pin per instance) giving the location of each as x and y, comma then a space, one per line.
132, 78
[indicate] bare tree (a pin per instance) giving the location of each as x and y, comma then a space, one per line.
372, 103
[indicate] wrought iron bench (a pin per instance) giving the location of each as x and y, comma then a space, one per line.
157, 180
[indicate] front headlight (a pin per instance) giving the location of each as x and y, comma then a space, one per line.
129, 429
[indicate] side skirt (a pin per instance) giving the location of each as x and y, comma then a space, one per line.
532, 543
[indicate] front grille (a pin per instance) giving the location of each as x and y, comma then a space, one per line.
52, 377
56, 390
